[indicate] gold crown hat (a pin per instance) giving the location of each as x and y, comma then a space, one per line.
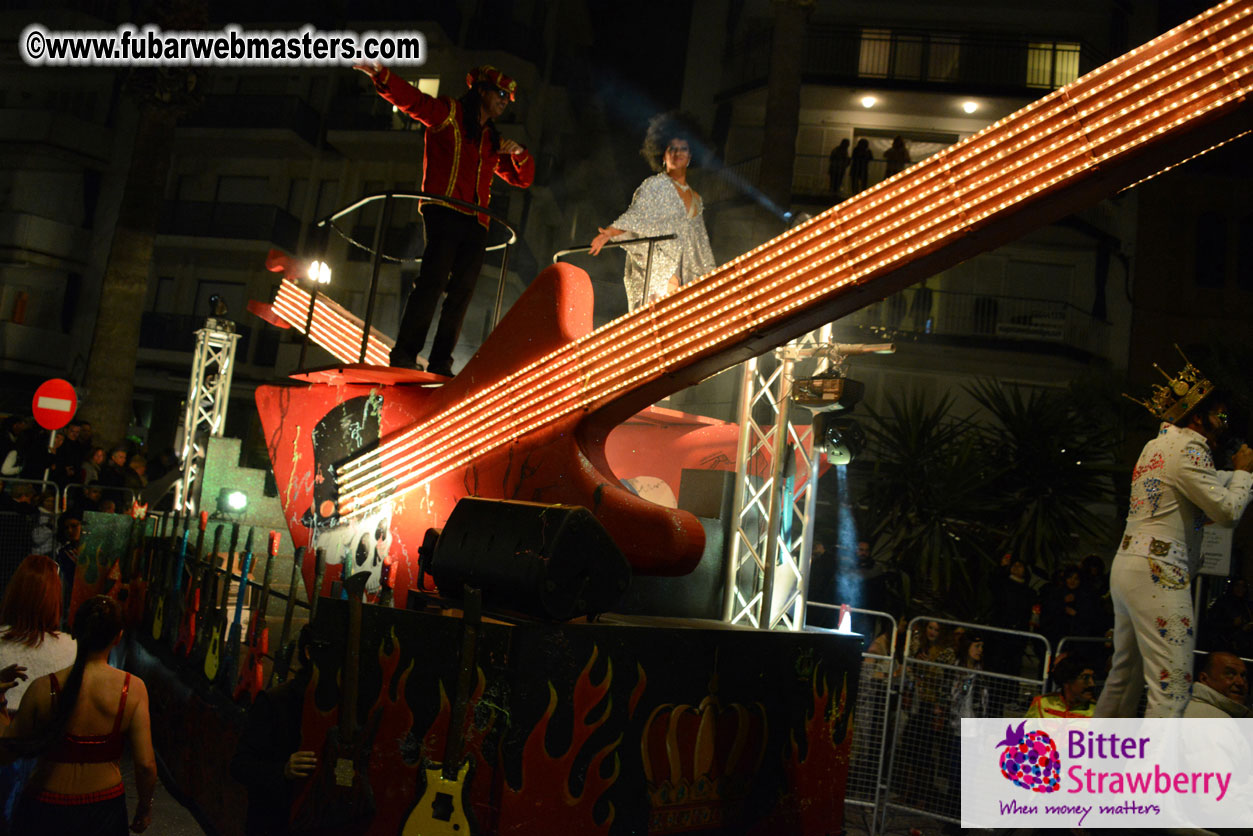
1180, 395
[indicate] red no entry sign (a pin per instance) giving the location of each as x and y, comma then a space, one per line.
54, 404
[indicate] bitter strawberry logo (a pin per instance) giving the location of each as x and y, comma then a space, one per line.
1030, 759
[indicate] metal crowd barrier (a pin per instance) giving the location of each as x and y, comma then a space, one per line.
875, 692
26, 530
78, 498
924, 765
40, 487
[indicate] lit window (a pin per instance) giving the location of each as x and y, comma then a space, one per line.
944, 59
875, 57
1051, 65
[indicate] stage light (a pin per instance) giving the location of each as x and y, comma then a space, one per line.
845, 620
232, 501
970, 107
217, 306
319, 272
842, 439
868, 101
828, 392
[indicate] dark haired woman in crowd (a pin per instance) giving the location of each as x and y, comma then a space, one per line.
968, 697
664, 204
75, 722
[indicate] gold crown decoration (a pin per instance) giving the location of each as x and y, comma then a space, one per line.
1180, 395
700, 760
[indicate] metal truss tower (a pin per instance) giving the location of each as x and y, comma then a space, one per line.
776, 482
776, 486
204, 414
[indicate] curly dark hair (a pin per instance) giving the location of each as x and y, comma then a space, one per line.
667, 126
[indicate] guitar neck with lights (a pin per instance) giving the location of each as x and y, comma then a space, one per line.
1079, 143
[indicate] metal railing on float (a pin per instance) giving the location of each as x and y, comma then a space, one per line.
378, 256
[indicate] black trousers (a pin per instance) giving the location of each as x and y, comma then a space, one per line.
99, 818
450, 265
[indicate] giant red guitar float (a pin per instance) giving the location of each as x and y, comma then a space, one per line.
379, 462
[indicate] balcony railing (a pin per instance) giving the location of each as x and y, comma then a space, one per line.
257, 112
248, 221
835, 53
740, 179
995, 319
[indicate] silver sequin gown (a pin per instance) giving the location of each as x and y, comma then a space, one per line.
657, 209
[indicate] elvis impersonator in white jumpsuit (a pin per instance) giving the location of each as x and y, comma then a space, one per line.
1174, 491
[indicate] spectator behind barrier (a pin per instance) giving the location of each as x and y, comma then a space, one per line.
92, 465
1074, 698
1221, 689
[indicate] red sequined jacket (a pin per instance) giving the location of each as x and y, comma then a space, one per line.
452, 164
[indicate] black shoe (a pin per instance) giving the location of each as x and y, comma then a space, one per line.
445, 371
399, 359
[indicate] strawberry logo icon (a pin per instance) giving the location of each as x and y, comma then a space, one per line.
1030, 759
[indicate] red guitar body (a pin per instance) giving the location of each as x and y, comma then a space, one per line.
563, 462
509, 427
187, 624
252, 676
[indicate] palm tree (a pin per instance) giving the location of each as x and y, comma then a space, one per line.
1050, 470
927, 495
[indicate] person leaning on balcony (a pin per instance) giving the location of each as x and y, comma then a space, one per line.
859, 167
462, 152
837, 164
664, 204
896, 158
1175, 489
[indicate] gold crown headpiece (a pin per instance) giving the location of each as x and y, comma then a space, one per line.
1180, 395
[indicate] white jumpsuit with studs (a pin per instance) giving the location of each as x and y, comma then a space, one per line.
1175, 490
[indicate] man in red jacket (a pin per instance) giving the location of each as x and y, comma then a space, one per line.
463, 150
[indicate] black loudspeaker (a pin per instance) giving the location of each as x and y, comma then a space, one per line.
551, 561
706, 493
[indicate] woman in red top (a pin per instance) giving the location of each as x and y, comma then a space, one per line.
75, 721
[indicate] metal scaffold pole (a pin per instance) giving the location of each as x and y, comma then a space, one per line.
204, 414
775, 492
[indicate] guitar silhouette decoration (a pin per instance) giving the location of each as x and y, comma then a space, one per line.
229, 668
341, 799
178, 598
252, 677
443, 808
282, 661
161, 591
215, 629
199, 592
528, 416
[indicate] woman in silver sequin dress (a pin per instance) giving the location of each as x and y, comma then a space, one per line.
664, 204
